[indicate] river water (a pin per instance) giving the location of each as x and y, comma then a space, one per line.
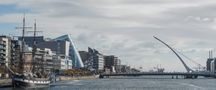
133, 84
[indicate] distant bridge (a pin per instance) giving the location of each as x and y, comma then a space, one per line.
184, 74
189, 74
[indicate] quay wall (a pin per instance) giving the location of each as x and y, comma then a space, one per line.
69, 78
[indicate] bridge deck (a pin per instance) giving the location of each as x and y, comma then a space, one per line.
165, 73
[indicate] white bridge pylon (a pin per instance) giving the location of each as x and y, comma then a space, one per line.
185, 65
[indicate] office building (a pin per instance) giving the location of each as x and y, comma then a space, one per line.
95, 60
29, 40
213, 66
73, 52
49, 62
87, 59
15, 53
84, 56
112, 62
211, 63
5, 52
64, 62
5, 55
59, 47
98, 62
208, 63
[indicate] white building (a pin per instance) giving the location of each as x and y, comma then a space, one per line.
5, 49
73, 52
97, 59
69, 64
5, 54
62, 62
98, 62
212, 66
49, 61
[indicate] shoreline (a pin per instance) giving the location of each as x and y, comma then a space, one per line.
70, 78
5, 83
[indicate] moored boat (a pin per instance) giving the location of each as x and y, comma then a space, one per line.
36, 76
23, 81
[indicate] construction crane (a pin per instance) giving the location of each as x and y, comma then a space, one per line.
185, 65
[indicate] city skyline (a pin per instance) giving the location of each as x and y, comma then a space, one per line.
122, 27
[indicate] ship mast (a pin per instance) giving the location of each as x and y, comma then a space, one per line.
22, 52
34, 47
23, 46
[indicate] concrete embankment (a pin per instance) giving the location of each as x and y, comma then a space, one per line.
68, 78
5, 83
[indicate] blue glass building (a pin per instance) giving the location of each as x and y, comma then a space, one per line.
73, 52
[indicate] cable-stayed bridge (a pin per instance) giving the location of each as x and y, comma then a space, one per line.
183, 74
189, 74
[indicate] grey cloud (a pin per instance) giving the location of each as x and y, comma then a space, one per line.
126, 32
160, 1
55, 8
178, 15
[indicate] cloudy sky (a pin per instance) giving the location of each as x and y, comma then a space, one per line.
123, 27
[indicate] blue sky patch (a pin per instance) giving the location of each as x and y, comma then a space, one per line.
8, 28
12, 8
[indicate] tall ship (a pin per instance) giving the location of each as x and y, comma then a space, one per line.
36, 76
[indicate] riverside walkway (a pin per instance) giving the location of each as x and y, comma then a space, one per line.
5, 83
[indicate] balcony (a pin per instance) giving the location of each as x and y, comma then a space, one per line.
1, 58
2, 44
2, 52
49, 58
2, 47
13, 54
49, 63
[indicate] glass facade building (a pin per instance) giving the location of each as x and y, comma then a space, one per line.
73, 52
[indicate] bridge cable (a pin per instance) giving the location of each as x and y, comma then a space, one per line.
188, 58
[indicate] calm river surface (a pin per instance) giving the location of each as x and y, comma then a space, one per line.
132, 84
